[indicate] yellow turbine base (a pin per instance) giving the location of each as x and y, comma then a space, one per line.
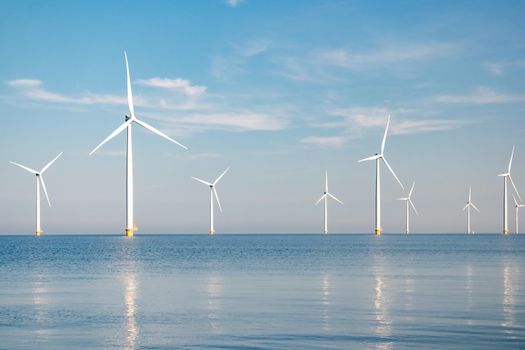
38, 233
129, 232
325, 232
378, 231
212, 232
505, 231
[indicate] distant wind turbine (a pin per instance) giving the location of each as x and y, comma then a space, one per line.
325, 197
506, 175
408, 201
39, 181
518, 206
377, 158
129, 121
213, 193
468, 206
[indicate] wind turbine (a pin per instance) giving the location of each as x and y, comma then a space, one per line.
129, 121
506, 175
468, 206
518, 206
325, 196
378, 157
39, 181
213, 193
408, 201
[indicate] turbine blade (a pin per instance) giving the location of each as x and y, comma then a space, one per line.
411, 189
515, 188
470, 193
466, 206
45, 189
217, 198
326, 181
153, 130
392, 171
333, 197
49, 164
25, 168
130, 95
515, 201
474, 206
384, 136
112, 135
510, 161
220, 176
200, 180
402, 199
369, 158
413, 206
320, 199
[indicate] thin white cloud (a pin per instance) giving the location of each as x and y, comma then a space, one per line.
34, 89
243, 120
325, 141
500, 68
234, 3
178, 84
318, 65
356, 122
481, 96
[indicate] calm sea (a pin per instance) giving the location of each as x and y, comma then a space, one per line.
262, 292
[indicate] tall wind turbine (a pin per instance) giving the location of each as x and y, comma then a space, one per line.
325, 197
378, 157
518, 206
129, 121
506, 175
468, 206
408, 201
213, 193
39, 181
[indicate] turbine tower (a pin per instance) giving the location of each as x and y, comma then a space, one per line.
468, 206
213, 193
129, 121
408, 201
325, 196
39, 181
380, 157
506, 175
518, 206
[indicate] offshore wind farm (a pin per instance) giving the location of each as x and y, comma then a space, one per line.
271, 105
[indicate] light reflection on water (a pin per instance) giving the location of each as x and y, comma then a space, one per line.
271, 292
130, 299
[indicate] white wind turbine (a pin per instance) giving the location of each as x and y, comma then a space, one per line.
506, 175
408, 201
129, 121
468, 206
325, 197
213, 193
518, 206
39, 181
378, 158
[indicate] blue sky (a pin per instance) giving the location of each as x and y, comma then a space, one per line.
279, 91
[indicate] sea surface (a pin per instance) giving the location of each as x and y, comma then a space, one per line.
262, 292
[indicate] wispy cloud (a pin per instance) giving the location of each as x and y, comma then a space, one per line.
318, 65
500, 68
325, 141
34, 89
240, 120
234, 3
352, 123
481, 96
178, 84
225, 66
